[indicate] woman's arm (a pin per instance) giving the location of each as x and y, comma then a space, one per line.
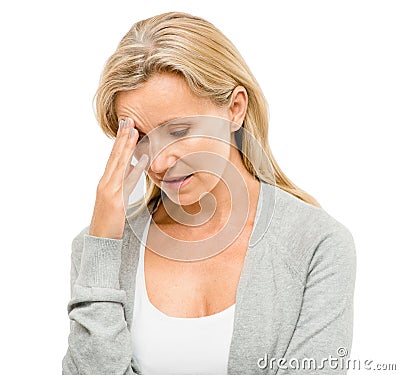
325, 325
99, 341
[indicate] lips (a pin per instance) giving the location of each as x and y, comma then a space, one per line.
176, 179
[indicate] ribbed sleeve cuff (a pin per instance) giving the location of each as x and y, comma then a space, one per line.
100, 262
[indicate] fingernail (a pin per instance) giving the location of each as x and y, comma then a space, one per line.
128, 121
132, 132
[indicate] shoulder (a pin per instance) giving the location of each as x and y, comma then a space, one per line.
304, 217
303, 234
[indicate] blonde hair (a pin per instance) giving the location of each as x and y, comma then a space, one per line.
195, 49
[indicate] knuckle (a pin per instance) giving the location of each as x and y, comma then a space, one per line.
101, 188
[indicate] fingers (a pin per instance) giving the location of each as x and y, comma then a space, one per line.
128, 150
122, 149
133, 176
108, 216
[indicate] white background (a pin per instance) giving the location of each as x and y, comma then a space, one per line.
330, 73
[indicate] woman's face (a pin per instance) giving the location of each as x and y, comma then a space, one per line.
183, 135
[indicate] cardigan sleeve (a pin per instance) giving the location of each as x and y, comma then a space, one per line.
99, 341
325, 325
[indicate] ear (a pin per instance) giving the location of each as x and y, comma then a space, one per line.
237, 107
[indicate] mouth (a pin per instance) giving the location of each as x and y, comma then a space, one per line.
177, 182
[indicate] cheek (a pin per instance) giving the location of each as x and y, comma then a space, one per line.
209, 157
207, 146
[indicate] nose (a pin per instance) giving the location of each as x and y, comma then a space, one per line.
160, 159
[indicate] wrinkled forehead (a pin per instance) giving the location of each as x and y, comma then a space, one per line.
150, 107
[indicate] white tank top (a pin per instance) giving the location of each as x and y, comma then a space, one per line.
165, 345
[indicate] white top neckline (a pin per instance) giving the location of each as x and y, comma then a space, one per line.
217, 315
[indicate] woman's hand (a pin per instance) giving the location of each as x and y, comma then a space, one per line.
116, 184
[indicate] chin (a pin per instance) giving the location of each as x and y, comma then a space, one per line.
197, 188
183, 199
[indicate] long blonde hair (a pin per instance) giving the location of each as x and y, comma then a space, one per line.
192, 47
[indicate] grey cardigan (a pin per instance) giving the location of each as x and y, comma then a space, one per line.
294, 300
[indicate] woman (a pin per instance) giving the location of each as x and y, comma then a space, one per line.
275, 289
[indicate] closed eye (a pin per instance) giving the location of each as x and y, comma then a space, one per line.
180, 133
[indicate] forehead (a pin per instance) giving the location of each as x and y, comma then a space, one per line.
163, 97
